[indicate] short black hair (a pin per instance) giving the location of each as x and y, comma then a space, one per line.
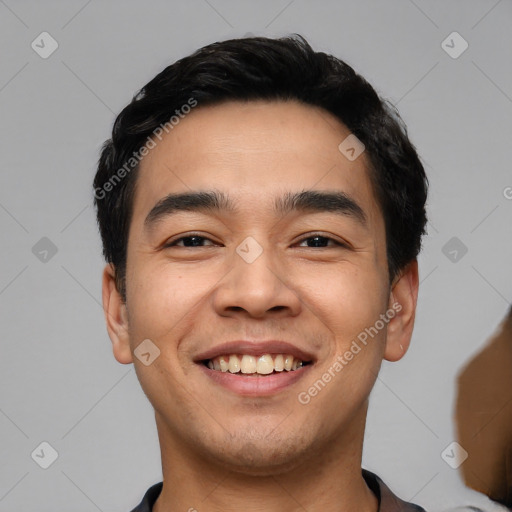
260, 68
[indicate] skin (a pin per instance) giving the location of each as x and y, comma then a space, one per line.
222, 451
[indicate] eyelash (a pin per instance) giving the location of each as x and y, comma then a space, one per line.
313, 235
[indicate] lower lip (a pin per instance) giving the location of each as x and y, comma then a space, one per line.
262, 385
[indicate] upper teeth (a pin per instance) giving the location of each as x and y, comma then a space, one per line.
263, 365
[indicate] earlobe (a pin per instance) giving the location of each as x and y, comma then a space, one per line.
402, 300
116, 317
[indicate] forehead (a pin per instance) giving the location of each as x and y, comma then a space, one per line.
254, 151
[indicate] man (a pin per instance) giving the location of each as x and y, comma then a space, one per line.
261, 211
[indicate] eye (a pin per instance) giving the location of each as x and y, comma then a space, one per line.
197, 240
191, 240
320, 241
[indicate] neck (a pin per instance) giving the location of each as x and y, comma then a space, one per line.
328, 480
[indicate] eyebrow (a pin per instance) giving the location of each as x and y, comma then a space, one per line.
314, 201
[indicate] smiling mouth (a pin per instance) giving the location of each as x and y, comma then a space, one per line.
249, 365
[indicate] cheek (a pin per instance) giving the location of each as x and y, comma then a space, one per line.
162, 296
346, 300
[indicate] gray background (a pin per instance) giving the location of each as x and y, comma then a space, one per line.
59, 380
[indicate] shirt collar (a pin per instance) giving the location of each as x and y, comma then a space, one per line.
388, 502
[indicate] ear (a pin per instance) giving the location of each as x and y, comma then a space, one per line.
402, 300
116, 317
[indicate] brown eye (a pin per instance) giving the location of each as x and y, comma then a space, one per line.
192, 240
320, 241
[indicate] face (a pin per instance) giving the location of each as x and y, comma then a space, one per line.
259, 282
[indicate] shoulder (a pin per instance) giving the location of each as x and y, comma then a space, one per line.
146, 505
495, 507
388, 501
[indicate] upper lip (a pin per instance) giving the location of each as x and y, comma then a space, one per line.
255, 348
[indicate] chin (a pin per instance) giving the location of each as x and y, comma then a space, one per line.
263, 456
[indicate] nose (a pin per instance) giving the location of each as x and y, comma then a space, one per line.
257, 288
